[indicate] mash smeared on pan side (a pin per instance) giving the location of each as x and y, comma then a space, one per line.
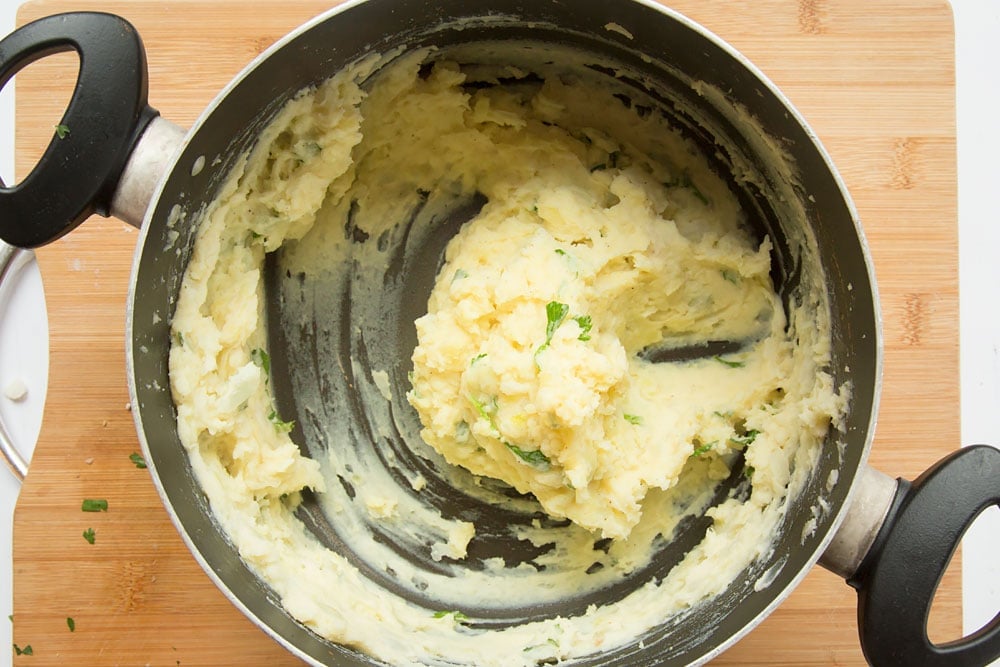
603, 234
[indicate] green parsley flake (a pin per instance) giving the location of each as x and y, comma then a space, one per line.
745, 439
457, 615
703, 449
61, 131
261, 359
727, 362
633, 419
280, 426
27, 650
478, 357
71, 624
585, 325
137, 459
698, 194
94, 505
555, 314
486, 411
684, 181
90, 535
549, 642
535, 457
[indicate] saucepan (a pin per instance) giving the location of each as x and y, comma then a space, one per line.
890, 538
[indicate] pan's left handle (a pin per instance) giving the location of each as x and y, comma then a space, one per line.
79, 171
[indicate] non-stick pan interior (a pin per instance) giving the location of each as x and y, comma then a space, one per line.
333, 334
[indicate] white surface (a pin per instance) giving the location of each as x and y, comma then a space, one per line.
24, 337
977, 37
23, 330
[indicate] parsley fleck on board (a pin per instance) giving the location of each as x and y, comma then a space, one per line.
94, 505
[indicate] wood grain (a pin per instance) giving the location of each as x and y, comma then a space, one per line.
876, 82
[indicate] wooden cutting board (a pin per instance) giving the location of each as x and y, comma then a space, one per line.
874, 79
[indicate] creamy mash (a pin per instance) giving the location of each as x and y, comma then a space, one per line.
603, 236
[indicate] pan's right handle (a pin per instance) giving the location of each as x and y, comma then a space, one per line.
78, 173
895, 546
898, 577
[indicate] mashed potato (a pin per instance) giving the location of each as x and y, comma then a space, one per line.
603, 235
528, 369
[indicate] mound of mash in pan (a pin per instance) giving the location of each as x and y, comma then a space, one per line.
604, 236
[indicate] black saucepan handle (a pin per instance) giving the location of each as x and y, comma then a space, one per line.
77, 174
897, 580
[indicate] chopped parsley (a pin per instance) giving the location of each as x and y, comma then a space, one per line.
730, 363
478, 357
486, 411
731, 276
749, 471
71, 624
27, 650
62, 131
703, 449
550, 641
610, 163
684, 181
261, 359
90, 535
555, 314
698, 194
585, 325
560, 251
94, 505
745, 439
280, 426
137, 459
633, 419
534, 457
457, 615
